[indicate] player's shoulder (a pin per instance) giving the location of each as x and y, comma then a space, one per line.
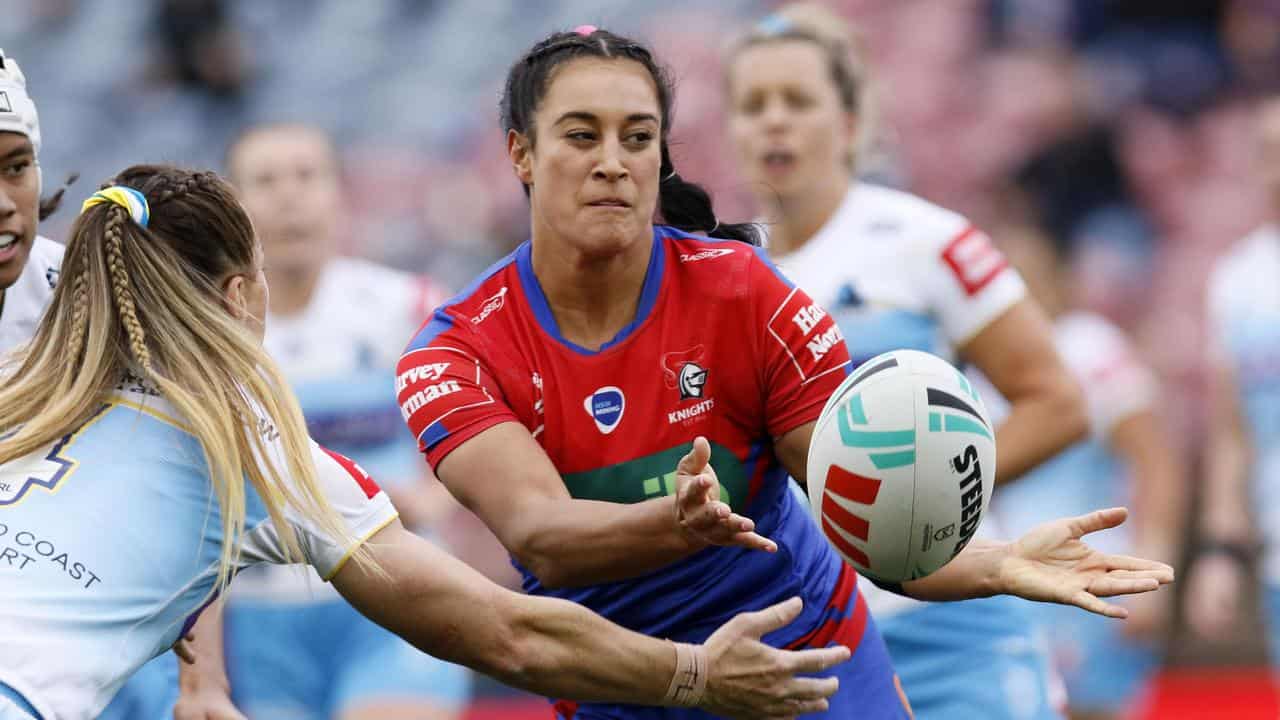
474, 309
47, 252
890, 214
45, 261
731, 263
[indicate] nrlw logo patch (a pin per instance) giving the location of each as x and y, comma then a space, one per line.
606, 407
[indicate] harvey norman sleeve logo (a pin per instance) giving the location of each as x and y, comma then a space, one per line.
807, 334
430, 372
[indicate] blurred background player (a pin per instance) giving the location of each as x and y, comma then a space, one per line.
1242, 486
1127, 460
336, 326
898, 272
28, 262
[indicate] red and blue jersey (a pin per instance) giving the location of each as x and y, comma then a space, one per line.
722, 346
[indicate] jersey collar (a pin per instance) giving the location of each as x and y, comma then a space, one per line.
537, 299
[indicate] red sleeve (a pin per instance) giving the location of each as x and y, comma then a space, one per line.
447, 395
803, 350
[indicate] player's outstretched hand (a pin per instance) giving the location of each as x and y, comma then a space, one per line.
1051, 564
701, 515
748, 679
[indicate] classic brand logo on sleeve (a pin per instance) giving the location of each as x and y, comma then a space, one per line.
5, 105
973, 260
708, 254
491, 306
606, 407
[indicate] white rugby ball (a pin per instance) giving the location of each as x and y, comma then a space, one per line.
901, 465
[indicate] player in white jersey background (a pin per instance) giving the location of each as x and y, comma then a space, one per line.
1128, 459
899, 272
28, 263
336, 327
1241, 507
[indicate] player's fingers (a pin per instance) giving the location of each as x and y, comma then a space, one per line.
1098, 520
753, 541
1108, 586
812, 661
805, 688
708, 517
796, 708
1088, 601
183, 651
769, 619
1161, 576
696, 459
1161, 571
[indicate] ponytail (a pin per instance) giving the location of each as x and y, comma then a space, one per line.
687, 206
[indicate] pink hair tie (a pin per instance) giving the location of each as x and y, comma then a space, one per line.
585, 30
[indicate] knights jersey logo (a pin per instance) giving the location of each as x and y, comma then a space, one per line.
683, 370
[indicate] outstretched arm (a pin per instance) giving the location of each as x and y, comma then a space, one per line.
1049, 564
560, 649
505, 478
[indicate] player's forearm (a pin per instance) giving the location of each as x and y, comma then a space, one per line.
563, 650
974, 573
1040, 424
585, 542
210, 668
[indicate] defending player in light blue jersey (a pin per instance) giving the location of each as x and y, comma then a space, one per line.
149, 449
1241, 511
1126, 460
896, 271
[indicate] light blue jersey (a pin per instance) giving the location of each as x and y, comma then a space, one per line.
109, 546
898, 272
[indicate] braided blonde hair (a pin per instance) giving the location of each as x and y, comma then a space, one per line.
134, 297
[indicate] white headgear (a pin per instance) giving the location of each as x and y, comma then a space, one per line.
17, 111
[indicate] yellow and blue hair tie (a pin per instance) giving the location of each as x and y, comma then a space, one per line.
127, 198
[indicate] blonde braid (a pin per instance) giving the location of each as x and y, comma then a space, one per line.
79, 315
120, 286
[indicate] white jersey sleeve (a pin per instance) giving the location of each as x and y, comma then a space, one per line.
969, 281
358, 501
1116, 383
